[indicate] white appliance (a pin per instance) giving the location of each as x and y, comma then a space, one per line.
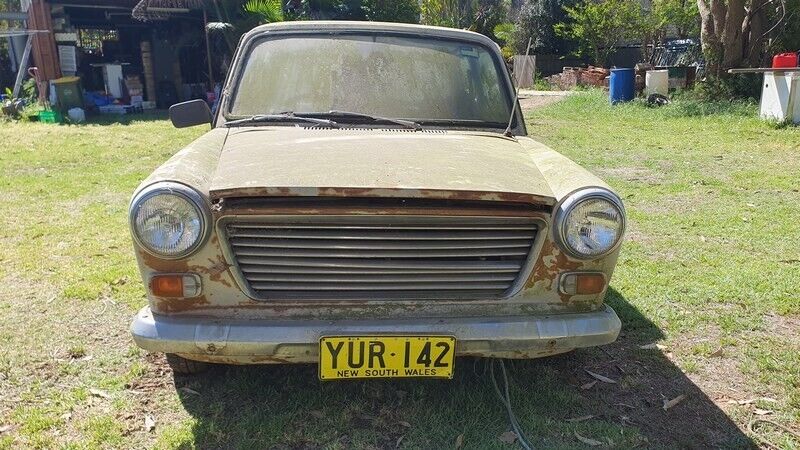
780, 96
112, 76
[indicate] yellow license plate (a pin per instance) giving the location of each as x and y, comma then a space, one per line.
343, 357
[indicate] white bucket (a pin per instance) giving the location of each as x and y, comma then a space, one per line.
656, 82
76, 115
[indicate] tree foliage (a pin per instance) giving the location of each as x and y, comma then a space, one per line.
737, 33
265, 11
404, 11
679, 16
536, 20
598, 27
481, 16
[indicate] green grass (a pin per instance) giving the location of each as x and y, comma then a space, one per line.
710, 262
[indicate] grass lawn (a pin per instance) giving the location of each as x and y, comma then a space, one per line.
710, 271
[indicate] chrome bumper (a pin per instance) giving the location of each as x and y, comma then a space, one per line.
285, 341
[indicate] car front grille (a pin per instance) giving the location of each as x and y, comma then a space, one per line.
380, 257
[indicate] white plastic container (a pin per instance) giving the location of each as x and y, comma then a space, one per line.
76, 115
780, 97
656, 82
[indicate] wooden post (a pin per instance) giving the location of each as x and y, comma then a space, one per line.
149, 74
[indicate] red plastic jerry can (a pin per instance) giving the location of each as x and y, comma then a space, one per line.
784, 60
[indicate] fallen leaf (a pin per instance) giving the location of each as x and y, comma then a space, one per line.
66, 416
581, 418
403, 423
317, 414
589, 385
399, 440
653, 346
460, 441
189, 390
149, 423
5, 428
768, 399
599, 377
670, 403
761, 412
588, 441
717, 353
509, 437
99, 393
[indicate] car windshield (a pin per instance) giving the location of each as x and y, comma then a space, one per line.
416, 78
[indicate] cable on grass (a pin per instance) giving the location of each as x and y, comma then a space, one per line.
764, 441
505, 399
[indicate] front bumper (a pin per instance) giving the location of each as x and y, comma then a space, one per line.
286, 341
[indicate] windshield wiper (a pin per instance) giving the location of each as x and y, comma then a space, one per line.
282, 116
345, 114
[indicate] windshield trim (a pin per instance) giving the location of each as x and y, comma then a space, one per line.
246, 47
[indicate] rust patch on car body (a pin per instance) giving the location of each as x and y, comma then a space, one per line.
552, 261
215, 271
377, 193
177, 305
237, 359
353, 205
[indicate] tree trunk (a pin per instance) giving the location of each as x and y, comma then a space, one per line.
732, 33
710, 37
732, 37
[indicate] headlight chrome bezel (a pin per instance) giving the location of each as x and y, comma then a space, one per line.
169, 187
568, 205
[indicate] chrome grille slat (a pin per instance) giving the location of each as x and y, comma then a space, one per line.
376, 286
319, 244
335, 253
379, 257
382, 235
368, 227
371, 278
367, 263
256, 269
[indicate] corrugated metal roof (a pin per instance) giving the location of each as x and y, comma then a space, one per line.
116, 3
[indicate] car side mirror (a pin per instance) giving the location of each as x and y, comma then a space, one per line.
189, 114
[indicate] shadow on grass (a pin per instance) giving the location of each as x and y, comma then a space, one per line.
287, 407
124, 119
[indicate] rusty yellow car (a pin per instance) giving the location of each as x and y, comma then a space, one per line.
368, 200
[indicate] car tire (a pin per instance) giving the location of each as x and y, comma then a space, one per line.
183, 366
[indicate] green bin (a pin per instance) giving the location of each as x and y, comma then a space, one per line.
48, 116
68, 93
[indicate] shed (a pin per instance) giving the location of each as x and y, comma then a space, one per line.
162, 61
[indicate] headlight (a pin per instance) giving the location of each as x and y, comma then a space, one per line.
168, 220
590, 223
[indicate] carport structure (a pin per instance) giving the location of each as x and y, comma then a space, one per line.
167, 51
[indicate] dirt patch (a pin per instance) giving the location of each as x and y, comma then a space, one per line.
532, 100
787, 326
631, 174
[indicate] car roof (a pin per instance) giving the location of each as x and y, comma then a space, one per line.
323, 26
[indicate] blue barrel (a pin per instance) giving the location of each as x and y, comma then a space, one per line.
621, 85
